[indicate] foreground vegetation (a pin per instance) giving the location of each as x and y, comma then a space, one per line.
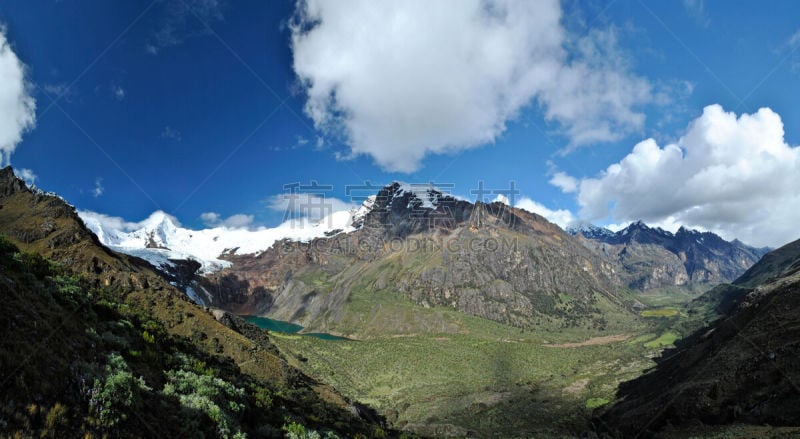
78, 360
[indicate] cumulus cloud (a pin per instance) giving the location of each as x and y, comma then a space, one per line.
565, 182
562, 217
169, 133
118, 92
17, 106
313, 207
237, 221
400, 80
790, 48
734, 175
26, 175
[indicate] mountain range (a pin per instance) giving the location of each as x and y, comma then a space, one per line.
484, 259
651, 257
463, 319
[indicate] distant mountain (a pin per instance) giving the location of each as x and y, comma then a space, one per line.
161, 240
590, 231
487, 260
743, 369
653, 257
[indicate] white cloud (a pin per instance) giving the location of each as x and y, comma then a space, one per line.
596, 99
27, 175
307, 205
562, 217
565, 182
400, 80
58, 90
237, 221
98, 187
17, 106
790, 48
736, 176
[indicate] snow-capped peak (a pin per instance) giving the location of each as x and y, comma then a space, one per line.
160, 237
427, 194
357, 215
589, 230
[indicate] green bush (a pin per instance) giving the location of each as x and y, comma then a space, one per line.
218, 399
114, 395
294, 430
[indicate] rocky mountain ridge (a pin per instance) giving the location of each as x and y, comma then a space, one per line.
488, 260
485, 259
652, 257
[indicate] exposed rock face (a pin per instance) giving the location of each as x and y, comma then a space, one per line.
48, 225
487, 260
742, 369
651, 257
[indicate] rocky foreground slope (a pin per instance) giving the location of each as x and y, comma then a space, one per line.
96, 341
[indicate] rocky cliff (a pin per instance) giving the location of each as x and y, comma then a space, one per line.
648, 258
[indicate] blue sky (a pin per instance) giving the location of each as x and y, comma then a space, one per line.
197, 106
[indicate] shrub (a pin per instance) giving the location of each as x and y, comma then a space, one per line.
114, 395
294, 430
215, 397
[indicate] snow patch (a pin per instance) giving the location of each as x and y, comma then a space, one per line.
160, 237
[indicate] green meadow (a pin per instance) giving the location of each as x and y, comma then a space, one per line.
439, 372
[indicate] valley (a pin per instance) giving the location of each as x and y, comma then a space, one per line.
465, 375
460, 319
361, 219
535, 340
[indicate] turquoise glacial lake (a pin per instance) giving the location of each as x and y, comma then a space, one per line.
288, 328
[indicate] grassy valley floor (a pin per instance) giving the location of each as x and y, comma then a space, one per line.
477, 377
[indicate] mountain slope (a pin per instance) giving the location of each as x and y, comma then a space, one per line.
744, 368
75, 331
487, 260
652, 257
